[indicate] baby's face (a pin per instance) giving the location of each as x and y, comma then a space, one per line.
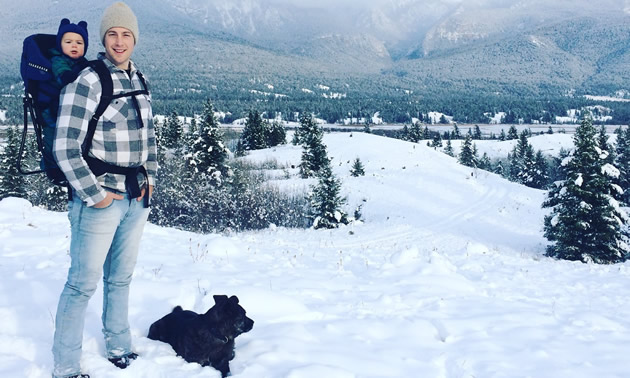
72, 45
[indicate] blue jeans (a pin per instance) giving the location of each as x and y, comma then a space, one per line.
104, 244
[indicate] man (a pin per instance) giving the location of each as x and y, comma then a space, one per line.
107, 213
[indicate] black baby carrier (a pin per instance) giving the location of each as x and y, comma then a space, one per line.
36, 71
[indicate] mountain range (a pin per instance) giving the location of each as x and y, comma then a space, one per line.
516, 47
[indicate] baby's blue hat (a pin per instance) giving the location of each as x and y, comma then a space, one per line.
66, 27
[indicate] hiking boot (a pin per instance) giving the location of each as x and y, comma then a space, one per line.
124, 361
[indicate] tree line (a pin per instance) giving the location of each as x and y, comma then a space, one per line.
203, 187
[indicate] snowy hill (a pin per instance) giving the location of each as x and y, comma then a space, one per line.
445, 277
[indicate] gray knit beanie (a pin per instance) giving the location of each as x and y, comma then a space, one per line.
119, 15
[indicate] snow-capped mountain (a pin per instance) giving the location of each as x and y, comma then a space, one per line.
560, 44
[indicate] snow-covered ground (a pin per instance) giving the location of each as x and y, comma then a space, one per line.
445, 278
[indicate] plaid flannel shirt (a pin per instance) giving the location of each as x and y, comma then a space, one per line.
118, 139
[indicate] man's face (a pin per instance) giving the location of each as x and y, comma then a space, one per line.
119, 44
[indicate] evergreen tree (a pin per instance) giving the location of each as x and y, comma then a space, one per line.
512, 133
485, 163
159, 139
557, 168
191, 135
466, 155
415, 133
295, 140
586, 223
622, 162
326, 201
357, 168
208, 154
502, 136
449, 148
404, 133
477, 133
456, 133
12, 182
499, 170
606, 149
509, 117
540, 177
277, 134
522, 161
437, 140
314, 155
172, 131
254, 136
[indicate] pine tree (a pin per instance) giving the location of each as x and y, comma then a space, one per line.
277, 134
172, 131
477, 133
295, 140
512, 133
404, 133
162, 150
208, 154
326, 201
191, 135
606, 149
449, 148
254, 136
357, 168
456, 133
499, 170
466, 155
12, 182
484, 162
557, 169
437, 140
502, 136
314, 155
586, 223
415, 133
622, 162
522, 165
540, 177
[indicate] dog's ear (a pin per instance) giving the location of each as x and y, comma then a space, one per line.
234, 299
220, 298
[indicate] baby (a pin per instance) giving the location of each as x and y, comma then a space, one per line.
67, 60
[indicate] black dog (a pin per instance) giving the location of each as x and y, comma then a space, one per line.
207, 339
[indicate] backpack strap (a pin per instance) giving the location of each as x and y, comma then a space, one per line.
107, 91
100, 167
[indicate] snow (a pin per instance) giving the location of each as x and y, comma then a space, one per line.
610, 170
496, 118
444, 277
3, 115
607, 98
579, 180
549, 144
435, 117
